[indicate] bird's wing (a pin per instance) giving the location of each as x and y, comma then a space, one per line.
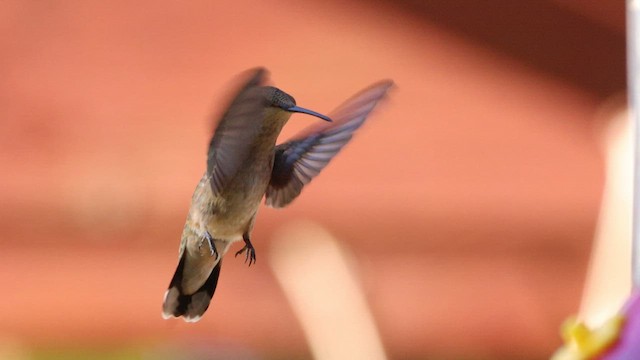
302, 158
240, 124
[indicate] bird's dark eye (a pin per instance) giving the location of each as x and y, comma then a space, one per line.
282, 100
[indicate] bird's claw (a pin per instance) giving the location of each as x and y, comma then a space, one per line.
212, 246
250, 256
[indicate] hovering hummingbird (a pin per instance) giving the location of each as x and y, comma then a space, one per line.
243, 166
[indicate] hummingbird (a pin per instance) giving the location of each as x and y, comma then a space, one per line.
244, 165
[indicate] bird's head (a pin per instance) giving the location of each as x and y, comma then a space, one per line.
280, 102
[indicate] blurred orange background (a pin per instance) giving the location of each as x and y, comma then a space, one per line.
468, 201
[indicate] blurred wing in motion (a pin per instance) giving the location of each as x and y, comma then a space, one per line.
239, 125
301, 159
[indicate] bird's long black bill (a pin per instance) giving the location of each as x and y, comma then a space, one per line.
299, 109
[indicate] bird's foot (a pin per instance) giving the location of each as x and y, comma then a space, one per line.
212, 246
251, 252
250, 255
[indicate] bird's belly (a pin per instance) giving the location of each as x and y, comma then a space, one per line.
229, 215
228, 228
231, 222
237, 206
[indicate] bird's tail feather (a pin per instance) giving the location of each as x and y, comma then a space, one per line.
190, 306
